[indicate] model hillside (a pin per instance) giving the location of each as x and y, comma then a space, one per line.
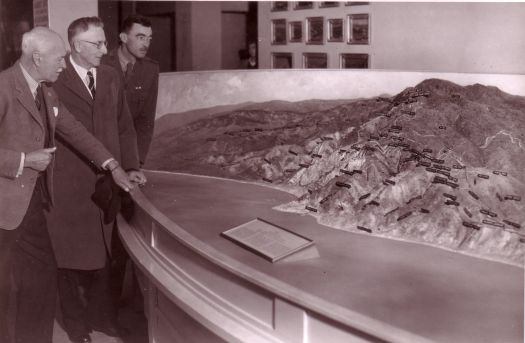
438, 163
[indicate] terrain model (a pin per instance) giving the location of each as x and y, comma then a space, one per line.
439, 163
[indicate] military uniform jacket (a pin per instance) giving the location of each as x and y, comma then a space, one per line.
141, 93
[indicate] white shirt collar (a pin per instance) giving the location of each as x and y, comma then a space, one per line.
82, 72
33, 85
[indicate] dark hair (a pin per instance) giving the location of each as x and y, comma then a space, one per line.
134, 19
82, 25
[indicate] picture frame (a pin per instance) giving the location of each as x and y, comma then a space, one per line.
282, 60
324, 4
314, 30
359, 29
335, 30
278, 6
354, 61
315, 60
303, 5
279, 32
295, 31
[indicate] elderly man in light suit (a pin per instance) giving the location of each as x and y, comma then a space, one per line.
30, 114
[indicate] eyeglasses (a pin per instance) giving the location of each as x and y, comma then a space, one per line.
98, 44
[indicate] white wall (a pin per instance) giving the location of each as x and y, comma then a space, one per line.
63, 12
426, 36
465, 37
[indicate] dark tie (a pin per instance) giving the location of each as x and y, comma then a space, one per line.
39, 97
91, 84
129, 71
40, 104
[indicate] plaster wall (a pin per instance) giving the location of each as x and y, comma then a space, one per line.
463, 37
424, 36
62, 12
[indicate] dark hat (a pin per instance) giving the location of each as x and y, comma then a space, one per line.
107, 197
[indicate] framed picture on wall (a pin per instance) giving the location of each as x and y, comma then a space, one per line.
329, 4
303, 5
315, 30
279, 31
315, 60
335, 30
354, 61
359, 28
282, 60
296, 31
356, 3
279, 6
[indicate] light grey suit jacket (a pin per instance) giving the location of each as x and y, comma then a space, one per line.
22, 130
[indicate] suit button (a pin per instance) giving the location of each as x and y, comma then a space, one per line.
37, 139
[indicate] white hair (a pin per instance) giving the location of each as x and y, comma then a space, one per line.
40, 39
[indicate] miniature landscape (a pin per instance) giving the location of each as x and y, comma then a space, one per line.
439, 164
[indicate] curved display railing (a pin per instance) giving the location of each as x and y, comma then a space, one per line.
185, 277
202, 287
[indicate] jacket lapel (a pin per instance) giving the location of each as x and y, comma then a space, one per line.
73, 82
104, 96
24, 95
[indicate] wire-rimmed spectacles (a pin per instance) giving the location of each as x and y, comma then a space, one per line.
98, 44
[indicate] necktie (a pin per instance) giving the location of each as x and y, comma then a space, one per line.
40, 104
129, 71
91, 84
39, 97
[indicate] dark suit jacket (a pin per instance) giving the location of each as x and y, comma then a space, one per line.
22, 130
141, 93
78, 235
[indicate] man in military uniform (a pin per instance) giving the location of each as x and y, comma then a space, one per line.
141, 79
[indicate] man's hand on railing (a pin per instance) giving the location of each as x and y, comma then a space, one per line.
137, 176
121, 178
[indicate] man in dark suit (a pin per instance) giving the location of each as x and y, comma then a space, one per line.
94, 93
30, 113
140, 75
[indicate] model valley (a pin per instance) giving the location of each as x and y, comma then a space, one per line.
438, 164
